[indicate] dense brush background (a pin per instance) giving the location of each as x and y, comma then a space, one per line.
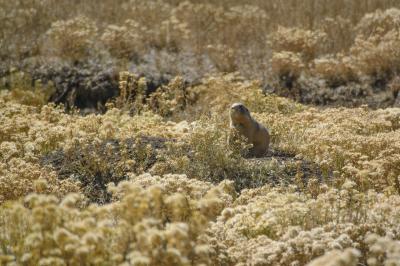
113, 128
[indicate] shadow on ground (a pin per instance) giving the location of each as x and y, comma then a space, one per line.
96, 165
280, 168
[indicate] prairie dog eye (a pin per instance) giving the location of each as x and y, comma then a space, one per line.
244, 109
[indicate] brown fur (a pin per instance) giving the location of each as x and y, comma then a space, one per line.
255, 133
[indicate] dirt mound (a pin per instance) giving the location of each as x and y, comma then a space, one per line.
86, 86
96, 165
314, 91
280, 168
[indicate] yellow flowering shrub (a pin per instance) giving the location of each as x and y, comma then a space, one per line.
355, 143
143, 173
124, 41
152, 181
147, 226
303, 42
73, 38
287, 64
269, 226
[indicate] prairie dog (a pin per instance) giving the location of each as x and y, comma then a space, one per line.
255, 133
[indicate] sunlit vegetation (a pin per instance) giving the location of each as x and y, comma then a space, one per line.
114, 126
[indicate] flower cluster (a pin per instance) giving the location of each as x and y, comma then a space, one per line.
72, 38
149, 225
269, 226
133, 186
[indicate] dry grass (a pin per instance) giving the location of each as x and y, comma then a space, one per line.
152, 181
184, 210
231, 36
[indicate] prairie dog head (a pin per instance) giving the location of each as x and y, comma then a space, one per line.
239, 112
